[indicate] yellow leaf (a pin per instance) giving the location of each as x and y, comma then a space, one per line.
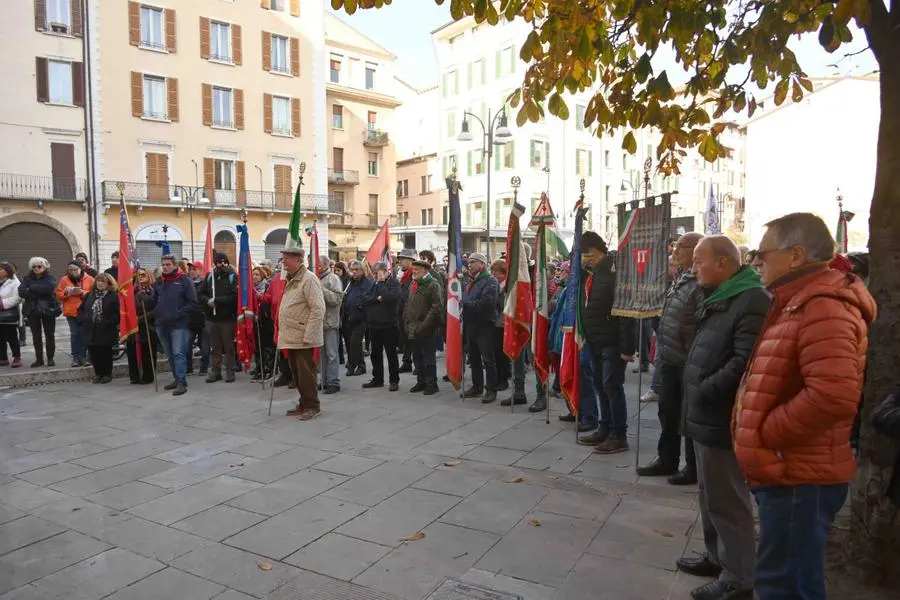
516, 479
796, 92
534, 523
629, 144
413, 537
781, 91
807, 84
843, 11
452, 463
863, 13
663, 533
264, 566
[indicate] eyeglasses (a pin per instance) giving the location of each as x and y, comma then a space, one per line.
760, 255
37, 267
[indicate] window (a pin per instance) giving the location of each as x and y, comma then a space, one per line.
583, 163
624, 161
370, 76
606, 158
335, 76
451, 124
276, 4
501, 211
505, 62
281, 115
424, 217
337, 116
540, 154
445, 215
220, 41
477, 73
448, 163
60, 80
224, 174
373, 164
152, 30
579, 117
373, 120
451, 83
337, 203
403, 188
280, 62
606, 195
223, 109
426, 184
373, 209
58, 14
155, 102
505, 156
477, 162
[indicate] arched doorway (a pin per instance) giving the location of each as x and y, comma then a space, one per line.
21, 241
275, 243
333, 253
226, 243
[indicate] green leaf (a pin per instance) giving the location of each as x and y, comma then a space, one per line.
843, 11
796, 92
629, 144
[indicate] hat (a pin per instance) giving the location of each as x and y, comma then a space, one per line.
220, 257
197, 264
76, 263
408, 253
421, 263
381, 266
479, 257
295, 250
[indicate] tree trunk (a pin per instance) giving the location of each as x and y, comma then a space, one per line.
872, 546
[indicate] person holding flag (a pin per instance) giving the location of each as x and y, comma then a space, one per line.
479, 313
218, 295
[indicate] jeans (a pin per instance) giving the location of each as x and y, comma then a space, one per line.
588, 411
794, 522
330, 358
202, 338
518, 369
481, 353
609, 381
45, 325
384, 341
79, 350
176, 342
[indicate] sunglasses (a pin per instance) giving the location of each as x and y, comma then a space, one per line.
760, 255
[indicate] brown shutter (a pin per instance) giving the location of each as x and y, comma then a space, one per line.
172, 92
43, 86
295, 117
267, 50
264, 4
137, 94
170, 30
204, 37
77, 25
267, 113
78, 84
295, 57
207, 104
134, 23
237, 55
209, 178
157, 176
241, 177
239, 109
295, 8
40, 15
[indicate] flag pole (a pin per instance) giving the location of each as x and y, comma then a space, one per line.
637, 449
150, 348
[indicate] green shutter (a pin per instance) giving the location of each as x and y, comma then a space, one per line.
546, 154
511, 148
532, 144
499, 64
590, 169
512, 59
470, 163
497, 153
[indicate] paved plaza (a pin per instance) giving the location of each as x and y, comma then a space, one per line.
113, 491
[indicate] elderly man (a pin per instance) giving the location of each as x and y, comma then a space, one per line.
796, 409
333, 293
423, 319
354, 317
728, 322
301, 319
674, 339
405, 258
383, 320
479, 310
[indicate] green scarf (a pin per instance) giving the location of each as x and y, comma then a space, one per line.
425, 278
745, 279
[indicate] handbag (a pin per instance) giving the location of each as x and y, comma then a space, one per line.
9, 316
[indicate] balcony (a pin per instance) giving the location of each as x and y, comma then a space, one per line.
375, 138
142, 194
29, 187
343, 176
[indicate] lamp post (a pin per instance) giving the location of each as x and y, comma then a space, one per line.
188, 196
648, 164
631, 185
489, 139
258, 168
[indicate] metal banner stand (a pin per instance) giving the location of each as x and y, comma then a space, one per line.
149, 347
547, 398
637, 449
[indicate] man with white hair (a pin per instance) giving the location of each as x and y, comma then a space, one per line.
333, 294
796, 407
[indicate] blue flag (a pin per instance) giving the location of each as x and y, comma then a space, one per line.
165, 247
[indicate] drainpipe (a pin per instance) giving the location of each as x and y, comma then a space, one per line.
90, 158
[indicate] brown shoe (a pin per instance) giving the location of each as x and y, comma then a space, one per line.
309, 414
294, 411
597, 437
612, 445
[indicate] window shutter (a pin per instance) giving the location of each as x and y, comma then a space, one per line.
170, 30
77, 18
240, 176
590, 169
78, 84
137, 94
499, 64
267, 113
237, 56
295, 8
209, 178
264, 4
238, 108
267, 50
295, 57
43, 86
134, 23
204, 38
172, 92
40, 15
207, 104
295, 117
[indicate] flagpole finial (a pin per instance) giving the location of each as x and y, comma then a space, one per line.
515, 182
244, 216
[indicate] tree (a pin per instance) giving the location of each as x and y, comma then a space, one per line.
609, 46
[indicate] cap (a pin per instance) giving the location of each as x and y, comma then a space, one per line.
221, 257
421, 263
197, 264
408, 253
293, 250
479, 257
76, 263
381, 266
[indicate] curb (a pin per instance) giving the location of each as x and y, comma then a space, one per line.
34, 377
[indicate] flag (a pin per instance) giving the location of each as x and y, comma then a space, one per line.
573, 332
712, 216
208, 253
244, 333
454, 353
164, 244
380, 250
841, 233
555, 242
642, 259
293, 236
128, 319
540, 325
519, 307
313, 234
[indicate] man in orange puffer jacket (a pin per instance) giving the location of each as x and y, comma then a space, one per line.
795, 409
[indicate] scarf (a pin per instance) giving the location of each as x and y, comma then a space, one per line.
424, 279
167, 279
97, 306
745, 279
481, 275
407, 275
262, 287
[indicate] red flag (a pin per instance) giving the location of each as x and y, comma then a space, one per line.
128, 319
313, 233
208, 253
454, 354
518, 310
380, 251
245, 332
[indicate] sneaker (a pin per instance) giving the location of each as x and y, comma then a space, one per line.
331, 389
180, 389
38, 363
721, 590
699, 566
650, 396
309, 414
473, 392
394, 386
105, 379
419, 387
170, 386
16, 363
373, 384
489, 397
95, 379
75, 363
514, 400
612, 445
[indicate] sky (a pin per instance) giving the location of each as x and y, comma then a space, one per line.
405, 29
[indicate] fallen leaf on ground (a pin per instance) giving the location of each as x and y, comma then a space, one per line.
235, 465
622, 466
413, 537
264, 566
534, 523
452, 463
516, 479
663, 533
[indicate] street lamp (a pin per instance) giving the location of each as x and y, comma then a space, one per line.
497, 133
188, 196
631, 185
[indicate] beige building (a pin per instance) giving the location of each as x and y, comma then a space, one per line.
43, 167
422, 209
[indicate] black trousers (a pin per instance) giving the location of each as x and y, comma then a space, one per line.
9, 334
425, 360
355, 334
670, 418
481, 358
384, 340
406, 345
504, 366
142, 371
46, 325
101, 360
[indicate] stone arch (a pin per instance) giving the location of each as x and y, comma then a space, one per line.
33, 217
142, 233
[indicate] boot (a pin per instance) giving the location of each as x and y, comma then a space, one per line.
38, 363
489, 397
472, 392
405, 368
419, 387
614, 444
229, 376
517, 400
431, 388
214, 376
171, 386
540, 405
180, 389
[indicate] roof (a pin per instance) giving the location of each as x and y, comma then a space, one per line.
417, 159
341, 33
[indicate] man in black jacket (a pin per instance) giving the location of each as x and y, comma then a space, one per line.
673, 342
732, 314
611, 343
422, 317
479, 308
219, 297
383, 320
405, 258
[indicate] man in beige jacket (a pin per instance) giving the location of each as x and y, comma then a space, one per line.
301, 320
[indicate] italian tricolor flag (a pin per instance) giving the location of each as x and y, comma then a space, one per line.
546, 236
517, 312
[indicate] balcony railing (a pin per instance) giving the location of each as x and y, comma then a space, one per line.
375, 137
29, 187
161, 195
349, 219
344, 176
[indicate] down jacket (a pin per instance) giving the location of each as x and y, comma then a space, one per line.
601, 329
679, 322
333, 293
301, 315
801, 393
479, 303
424, 308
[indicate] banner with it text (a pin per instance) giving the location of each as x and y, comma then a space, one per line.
642, 259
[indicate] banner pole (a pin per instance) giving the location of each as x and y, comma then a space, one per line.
272, 389
637, 450
547, 398
149, 347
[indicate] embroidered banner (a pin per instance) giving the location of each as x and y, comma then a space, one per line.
642, 257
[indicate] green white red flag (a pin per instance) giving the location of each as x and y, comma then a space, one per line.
454, 353
540, 326
517, 313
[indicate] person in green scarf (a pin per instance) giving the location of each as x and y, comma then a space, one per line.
422, 316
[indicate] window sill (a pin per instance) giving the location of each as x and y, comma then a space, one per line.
374, 176
283, 134
61, 34
337, 128
153, 49
281, 73
223, 127
221, 61
65, 104
155, 119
